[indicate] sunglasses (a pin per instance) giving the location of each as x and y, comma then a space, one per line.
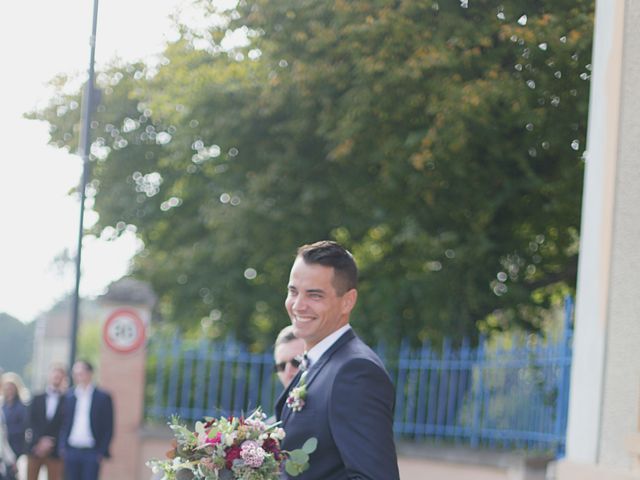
295, 363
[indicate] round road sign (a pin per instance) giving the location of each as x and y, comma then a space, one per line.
124, 330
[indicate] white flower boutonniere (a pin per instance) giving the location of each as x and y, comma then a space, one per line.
298, 394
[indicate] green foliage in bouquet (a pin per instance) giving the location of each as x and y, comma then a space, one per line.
299, 459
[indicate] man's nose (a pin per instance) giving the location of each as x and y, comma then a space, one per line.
299, 304
290, 370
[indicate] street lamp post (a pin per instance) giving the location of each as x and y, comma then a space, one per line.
84, 148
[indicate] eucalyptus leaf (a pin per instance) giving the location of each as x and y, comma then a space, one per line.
310, 445
292, 469
299, 456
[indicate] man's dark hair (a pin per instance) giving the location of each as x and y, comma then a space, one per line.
286, 335
87, 365
332, 254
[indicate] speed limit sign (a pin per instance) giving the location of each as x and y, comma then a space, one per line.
124, 330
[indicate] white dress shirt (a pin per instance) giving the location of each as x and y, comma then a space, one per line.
52, 399
323, 345
80, 435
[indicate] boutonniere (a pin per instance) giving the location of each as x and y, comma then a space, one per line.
298, 394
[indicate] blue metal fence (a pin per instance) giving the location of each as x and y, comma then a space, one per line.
197, 379
512, 392
509, 393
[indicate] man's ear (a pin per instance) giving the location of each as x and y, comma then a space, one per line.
349, 301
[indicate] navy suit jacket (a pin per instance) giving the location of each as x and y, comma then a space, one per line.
101, 420
41, 426
349, 409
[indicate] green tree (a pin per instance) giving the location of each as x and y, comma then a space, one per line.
16, 344
440, 143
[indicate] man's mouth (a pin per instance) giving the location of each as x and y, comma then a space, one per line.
300, 319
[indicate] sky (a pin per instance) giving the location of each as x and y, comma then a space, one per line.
38, 218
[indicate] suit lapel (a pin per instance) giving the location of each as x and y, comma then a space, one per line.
59, 409
313, 373
316, 367
94, 412
40, 406
70, 407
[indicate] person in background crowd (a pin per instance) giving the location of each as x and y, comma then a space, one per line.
87, 426
14, 408
287, 353
7, 457
45, 423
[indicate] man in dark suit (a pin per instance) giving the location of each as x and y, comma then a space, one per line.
87, 427
45, 422
345, 399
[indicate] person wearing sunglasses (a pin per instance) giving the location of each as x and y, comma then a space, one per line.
287, 353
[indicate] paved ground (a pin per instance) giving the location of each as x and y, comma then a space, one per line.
419, 469
410, 469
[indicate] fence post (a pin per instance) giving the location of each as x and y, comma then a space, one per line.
478, 395
159, 349
174, 372
564, 379
201, 379
464, 378
403, 353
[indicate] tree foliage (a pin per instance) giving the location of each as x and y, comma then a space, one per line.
440, 141
16, 344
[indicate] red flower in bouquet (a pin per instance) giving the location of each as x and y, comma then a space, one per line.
272, 446
233, 453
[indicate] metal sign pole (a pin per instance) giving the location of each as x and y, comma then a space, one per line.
84, 148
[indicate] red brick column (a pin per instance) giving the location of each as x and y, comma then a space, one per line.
123, 375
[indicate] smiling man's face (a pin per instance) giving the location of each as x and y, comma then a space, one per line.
313, 305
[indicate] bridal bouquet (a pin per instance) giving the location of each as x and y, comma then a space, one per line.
231, 448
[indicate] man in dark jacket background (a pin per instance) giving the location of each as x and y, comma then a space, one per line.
45, 422
87, 427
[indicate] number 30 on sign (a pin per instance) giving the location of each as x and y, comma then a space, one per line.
124, 331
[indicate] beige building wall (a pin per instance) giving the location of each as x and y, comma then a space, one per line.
621, 402
604, 408
51, 338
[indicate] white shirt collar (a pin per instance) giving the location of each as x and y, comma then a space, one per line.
323, 345
52, 391
84, 391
